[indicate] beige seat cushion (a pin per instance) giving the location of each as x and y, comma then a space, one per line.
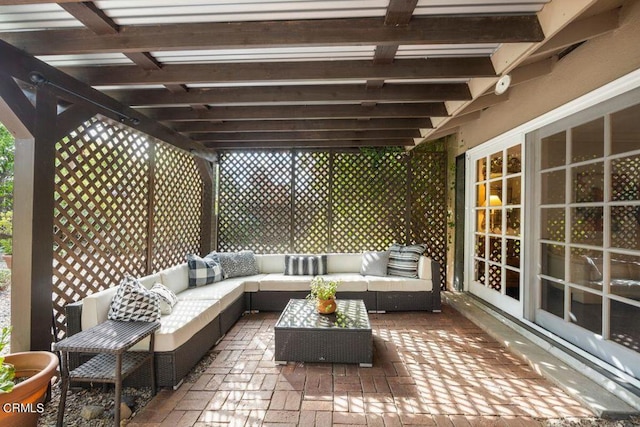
186, 319
226, 292
349, 282
252, 283
400, 284
280, 282
344, 263
176, 278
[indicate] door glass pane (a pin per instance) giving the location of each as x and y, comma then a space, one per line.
625, 130
481, 192
625, 227
552, 189
586, 226
479, 271
552, 258
625, 178
513, 252
495, 250
624, 271
586, 268
514, 160
623, 331
513, 192
587, 185
496, 165
481, 169
587, 141
495, 277
553, 150
552, 224
552, 297
513, 222
480, 253
586, 310
512, 283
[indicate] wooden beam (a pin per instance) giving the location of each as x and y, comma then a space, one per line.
91, 17
248, 35
434, 68
71, 118
252, 145
399, 12
20, 104
485, 101
20, 65
301, 125
307, 135
532, 71
144, 60
293, 94
579, 31
301, 112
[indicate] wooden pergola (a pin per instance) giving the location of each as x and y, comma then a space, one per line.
209, 76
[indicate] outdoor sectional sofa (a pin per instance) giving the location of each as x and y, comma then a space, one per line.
205, 313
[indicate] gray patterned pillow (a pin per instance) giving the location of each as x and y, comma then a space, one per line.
166, 297
134, 303
237, 264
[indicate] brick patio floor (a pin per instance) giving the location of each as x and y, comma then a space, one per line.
430, 369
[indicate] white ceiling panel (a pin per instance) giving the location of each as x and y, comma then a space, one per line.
35, 17
90, 59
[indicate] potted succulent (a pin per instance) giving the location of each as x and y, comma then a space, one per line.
24, 379
323, 292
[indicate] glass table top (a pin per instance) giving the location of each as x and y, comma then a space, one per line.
301, 313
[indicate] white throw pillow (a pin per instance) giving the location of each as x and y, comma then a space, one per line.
166, 296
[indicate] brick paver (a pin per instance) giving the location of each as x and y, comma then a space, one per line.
429, 369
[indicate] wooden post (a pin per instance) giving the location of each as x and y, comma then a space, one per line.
207, 226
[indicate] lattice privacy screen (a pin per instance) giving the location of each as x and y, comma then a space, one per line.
311, 201
124, 204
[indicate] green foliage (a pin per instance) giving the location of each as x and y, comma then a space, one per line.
323, 289
7, 371
5, 279
6, 231
7, 153
377, 154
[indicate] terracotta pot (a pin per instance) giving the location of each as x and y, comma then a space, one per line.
7, 260
326, 306
23, 405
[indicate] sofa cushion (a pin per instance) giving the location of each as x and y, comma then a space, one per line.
95, 307
349, 282
398, 284
403, 260
226, 292
176, 278
166, 297
424, 268
252, 283
282, 282
203, 271
305, 265
344, 263
374, 263
238, 264
149, 281
186, 319
134, 303
270, 263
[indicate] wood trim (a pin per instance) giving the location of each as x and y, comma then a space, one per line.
18, 102
91, 17
71, 118
235, 145
307, 135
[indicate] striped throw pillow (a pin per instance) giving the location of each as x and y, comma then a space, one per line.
305, 265
403, 260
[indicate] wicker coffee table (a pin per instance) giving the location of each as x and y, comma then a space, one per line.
304, 335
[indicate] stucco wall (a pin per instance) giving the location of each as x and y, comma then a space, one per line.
595, 63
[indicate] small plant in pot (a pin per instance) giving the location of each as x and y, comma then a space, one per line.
324, 293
